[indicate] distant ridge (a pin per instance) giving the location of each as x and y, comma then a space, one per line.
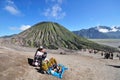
53, 35
8, 36
100, 32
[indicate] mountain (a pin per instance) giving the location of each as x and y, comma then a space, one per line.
53, 36
100, 32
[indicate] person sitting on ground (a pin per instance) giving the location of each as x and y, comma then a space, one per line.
39, 56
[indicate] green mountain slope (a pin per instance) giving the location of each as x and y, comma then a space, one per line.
53, 35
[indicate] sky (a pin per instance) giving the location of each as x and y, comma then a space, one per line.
19, 15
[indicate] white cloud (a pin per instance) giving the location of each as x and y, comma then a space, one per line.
113, 29
60, 1
11, 8
13, 28
10, 2
56, 1
55, 11
24, 27
103, 30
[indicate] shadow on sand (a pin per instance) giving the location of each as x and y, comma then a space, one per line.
37, 68
115, 66
30, 61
